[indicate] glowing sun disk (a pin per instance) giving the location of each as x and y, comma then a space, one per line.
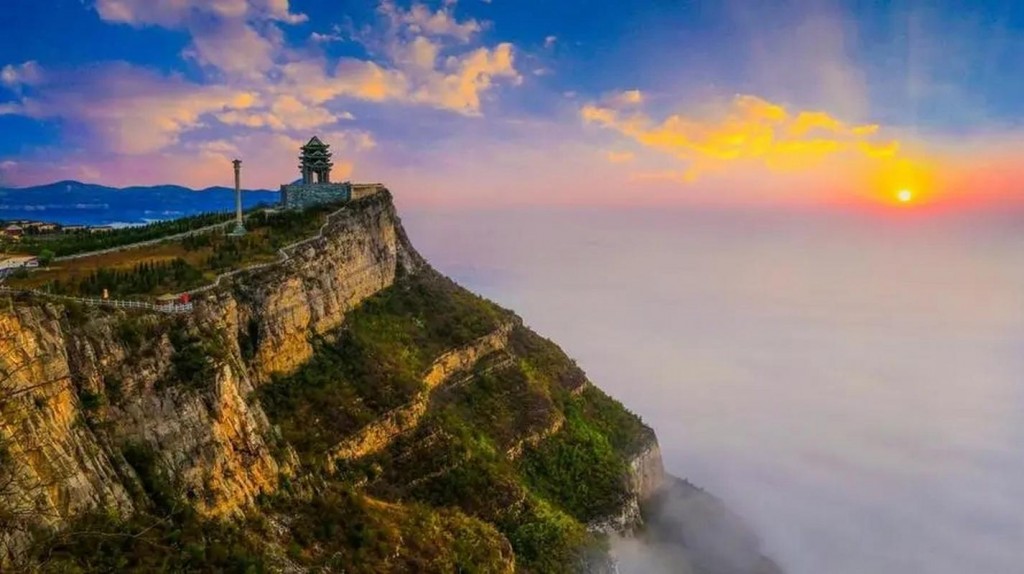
904, 195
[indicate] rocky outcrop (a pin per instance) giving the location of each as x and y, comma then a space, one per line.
309, 294
646, 478
53, 466
79, 389
378, 435
647, 473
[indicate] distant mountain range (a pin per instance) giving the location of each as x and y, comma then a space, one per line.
74, 202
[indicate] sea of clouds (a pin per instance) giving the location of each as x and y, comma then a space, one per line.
851, 385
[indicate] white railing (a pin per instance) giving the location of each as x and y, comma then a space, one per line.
284, 254
118, 303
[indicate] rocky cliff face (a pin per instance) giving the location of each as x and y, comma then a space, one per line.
646, 478
350, 377
62, 431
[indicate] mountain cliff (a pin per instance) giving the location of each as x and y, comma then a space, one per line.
349, 409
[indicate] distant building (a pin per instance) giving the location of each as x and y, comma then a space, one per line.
101, 229
41, 227
316, 186
13, 231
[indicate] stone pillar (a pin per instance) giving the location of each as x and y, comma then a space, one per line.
239, 224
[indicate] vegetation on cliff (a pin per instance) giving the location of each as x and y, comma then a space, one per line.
458, 456
427, 431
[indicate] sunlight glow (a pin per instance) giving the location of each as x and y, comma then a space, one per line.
904, 195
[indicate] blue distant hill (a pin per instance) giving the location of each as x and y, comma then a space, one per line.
74, 202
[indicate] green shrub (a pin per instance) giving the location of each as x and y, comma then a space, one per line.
196, 357
46, 257
376, 362
90, 401
578, 470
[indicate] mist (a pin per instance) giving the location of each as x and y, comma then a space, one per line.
852, 386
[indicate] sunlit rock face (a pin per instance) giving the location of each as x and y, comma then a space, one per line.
358, 256
429, 415
215, 444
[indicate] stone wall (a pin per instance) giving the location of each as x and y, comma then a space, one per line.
300, 195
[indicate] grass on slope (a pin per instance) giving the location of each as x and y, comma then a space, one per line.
376, 362
542, 501
344, 531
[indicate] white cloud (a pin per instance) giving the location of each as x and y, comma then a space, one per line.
325, 38
25, 74
182, 13
626, 98
255, 89
228, 35
550, 41
133, 110
425, 61
419, 19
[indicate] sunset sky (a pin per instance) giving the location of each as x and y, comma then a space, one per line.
507, 102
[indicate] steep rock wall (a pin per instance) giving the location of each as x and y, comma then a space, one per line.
310, 293
646, 478
65, 436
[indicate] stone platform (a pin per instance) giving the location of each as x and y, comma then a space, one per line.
302, 195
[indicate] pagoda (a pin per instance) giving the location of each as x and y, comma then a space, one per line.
315, 187
316, 162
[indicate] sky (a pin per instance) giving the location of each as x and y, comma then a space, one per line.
697, 200
494, 103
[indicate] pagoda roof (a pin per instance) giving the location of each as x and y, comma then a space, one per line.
315, 142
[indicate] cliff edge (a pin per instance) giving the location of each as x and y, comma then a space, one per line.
349, 409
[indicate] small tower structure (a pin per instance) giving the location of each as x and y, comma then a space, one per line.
239, 223
316, 162
315, 187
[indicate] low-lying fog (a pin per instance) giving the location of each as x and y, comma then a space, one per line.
853, 386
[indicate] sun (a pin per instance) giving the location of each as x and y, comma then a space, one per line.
905, 195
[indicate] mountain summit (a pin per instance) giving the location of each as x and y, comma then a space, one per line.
348, 409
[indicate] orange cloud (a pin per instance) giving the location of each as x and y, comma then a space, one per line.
749, 129
627, 98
